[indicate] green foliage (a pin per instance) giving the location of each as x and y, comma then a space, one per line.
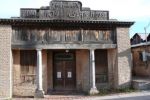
114, 91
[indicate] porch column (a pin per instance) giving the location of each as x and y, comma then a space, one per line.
93, 89
39, 91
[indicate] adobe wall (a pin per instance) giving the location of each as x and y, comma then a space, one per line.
82, 70
123, 68
5, 62
101, 68
140, 68
26, 89
20, 88
112, 63
49, 71
44, 65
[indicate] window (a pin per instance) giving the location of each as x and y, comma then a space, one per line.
140, 56
101, 63
64, 56
28, 65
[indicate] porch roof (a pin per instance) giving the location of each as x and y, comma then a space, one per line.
72, 23
140, 45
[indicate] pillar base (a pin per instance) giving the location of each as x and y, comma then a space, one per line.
39, 94
93, 91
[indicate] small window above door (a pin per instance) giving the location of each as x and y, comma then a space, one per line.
64, 56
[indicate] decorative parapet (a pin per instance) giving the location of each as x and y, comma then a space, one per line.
64, 10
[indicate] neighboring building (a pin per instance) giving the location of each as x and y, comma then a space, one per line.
140, 49
137, 38
141, 66
72, 48
141, 58
148, 37
141, 62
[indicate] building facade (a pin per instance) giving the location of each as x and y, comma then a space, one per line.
138, 38
63, 47
141, 60
140, 54
141, 66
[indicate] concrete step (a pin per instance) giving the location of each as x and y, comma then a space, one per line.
141, 83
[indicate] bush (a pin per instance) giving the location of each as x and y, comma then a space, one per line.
113, 91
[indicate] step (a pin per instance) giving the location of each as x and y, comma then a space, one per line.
141, 84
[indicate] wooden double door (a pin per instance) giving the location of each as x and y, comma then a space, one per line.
64, 71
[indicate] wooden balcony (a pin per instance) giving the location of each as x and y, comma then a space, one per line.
35, 37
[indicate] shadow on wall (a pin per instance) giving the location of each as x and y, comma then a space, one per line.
125, 61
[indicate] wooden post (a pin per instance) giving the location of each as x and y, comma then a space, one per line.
93, 85
39, 93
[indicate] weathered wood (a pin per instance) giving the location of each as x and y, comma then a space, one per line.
48, 36
64, 46
28, 66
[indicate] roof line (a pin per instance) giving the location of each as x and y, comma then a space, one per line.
140, 44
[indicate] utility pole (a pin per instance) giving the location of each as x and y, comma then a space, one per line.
145, 29
146, 46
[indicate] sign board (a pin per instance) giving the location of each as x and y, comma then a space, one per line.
69, 75
65, 10
58, 74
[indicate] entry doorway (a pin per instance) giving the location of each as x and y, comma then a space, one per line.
64, 71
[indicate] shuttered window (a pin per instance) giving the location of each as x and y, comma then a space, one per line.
28, 65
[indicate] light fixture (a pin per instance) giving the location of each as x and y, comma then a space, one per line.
67, 50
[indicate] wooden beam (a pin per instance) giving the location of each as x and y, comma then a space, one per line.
65, 46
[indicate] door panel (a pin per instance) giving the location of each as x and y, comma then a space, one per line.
64, 71
69, 74
58, 75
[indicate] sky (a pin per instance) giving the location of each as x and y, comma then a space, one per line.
122, 10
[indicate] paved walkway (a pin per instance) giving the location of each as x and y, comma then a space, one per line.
143, 95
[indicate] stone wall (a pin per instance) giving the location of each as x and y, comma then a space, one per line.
5, 62
123, 68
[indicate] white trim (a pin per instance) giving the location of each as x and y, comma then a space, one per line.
140, 44
39, 70
92, 53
